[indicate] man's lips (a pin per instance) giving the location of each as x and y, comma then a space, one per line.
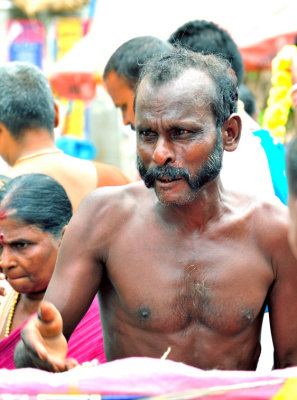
168, 180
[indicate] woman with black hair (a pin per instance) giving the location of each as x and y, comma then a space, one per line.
34, 212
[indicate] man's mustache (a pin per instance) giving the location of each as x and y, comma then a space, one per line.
152, 174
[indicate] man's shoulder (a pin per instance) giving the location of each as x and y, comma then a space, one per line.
110, 208
268, 221
261, 211
117, 198
261, 223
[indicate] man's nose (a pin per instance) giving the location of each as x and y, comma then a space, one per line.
163, 152
128, 119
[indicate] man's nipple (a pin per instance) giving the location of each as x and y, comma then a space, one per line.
144, 313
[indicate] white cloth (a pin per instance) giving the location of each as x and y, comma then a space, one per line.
246, 169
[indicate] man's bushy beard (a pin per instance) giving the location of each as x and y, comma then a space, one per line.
207, 172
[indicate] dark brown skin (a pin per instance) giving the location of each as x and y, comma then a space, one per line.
190, 270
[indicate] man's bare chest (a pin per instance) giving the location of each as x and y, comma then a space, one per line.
163, 283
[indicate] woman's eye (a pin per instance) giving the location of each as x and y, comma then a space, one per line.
21, 246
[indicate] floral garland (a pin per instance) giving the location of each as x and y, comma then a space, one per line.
279, 100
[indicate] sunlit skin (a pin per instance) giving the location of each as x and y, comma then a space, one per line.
28, 258
190, 270
183, 138
122, 96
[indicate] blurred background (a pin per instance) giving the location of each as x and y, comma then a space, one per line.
71, 41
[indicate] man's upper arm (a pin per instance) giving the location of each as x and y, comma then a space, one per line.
283, 303
78, 270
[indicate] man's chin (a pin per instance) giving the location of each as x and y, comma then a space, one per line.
180, 199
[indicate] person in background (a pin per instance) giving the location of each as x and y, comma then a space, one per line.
183, 266
249, 100
123, 69
262, 173
275, 151
35, 211
28, 116
291, 165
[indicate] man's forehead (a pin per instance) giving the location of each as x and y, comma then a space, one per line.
193, 88
189, 81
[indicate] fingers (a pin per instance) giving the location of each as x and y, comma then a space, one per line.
33, 341
47, 311
70, 363
44, 342
49, 322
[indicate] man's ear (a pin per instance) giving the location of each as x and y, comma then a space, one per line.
4, 130
57, 114
231, 131
9, 146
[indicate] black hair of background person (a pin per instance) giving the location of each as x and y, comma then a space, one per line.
208, 38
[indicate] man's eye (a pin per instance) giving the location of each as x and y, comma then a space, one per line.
181, 132
147, 135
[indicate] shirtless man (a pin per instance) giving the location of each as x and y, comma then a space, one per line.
182, 263
28, 116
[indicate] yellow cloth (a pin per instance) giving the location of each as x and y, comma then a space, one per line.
288, 390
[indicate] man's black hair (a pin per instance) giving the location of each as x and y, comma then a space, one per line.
248, 99
26, 99
224, 97
128, 60
208, 38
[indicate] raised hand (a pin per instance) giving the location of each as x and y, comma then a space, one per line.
43, 344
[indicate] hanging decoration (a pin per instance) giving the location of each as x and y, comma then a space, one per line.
280, 95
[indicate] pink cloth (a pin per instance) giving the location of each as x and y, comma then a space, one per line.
85, 344
147, 377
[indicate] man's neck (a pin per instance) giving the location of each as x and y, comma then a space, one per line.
33, 144
209, 205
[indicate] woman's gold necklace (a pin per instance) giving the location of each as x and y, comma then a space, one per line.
11, 314
40, 153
